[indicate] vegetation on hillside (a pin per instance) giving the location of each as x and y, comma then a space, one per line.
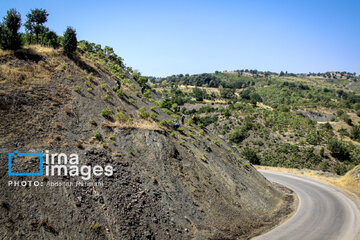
290, 120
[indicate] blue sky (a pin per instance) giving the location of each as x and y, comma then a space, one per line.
161, 38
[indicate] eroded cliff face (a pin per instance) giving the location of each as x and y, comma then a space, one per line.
166, 184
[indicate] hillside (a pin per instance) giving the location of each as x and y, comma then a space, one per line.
285, 120
167, 184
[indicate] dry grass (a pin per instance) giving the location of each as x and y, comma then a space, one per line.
350, 183
141, 124
261, 105
216, 101
17, 74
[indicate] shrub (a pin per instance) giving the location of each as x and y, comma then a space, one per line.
97, 135
338, 149
251, 155
153, 115
121, 117
313, 138
147, 93
105, 113
355, 133
90, 77
120, 93
103, 86
167, 111
77, 88
164, 123
217, 142
347, 119
89, 89
340, 112
180, 129
106, 97
142, 113
238, 135
69, 41
322, 152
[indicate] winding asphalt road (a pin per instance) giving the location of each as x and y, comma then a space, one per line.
324, 213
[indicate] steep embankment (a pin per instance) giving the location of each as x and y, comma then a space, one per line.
166, 184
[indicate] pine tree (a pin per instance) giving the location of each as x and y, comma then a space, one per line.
70, 40
9, 36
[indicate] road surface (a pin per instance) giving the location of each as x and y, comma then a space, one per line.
324, 213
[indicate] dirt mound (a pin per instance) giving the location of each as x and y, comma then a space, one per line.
167, 184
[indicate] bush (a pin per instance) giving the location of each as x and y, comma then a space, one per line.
180, 129
77, 88
9, 36
313, 138
251, 155
238, 135
97, 135
153, 115
121, 117
340, 112
120, 93
338, 149
69, 41
322, 152
142, 113
347, 119
147, 93
105, 113
355, 133
164, 123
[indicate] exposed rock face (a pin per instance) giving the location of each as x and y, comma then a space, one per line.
165, 185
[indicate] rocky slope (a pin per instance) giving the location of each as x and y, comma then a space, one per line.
167, 184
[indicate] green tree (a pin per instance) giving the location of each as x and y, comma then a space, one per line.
142, 80
50, 39
70, 40
198, 94
9, 36
35, 22
227, 93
